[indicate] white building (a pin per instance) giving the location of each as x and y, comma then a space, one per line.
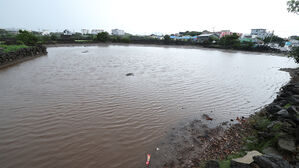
118, 32
96, 31
260, 33
85, 31
45, 33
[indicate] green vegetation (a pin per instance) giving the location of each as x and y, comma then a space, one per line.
9, 48
254, 142
121, 39
167, 39
275, 39
230, 41
294, 53
293, 6
190, 33
103, 37
226, 162
27, 38
287, 106
83, 41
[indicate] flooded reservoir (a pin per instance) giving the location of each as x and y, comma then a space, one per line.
108, 106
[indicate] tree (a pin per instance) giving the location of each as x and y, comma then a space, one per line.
294, 53
293, 6
27, 38
230, 41
167, 39
103, 37
53, 37
275, 39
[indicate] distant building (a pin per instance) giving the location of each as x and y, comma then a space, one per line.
118, 32
260, 33
250, 38
13, 31
156, 37
223, 33
205, 37
294, 37
85, 31
96, 31
294, 43
45, 33
183, 38
206, 32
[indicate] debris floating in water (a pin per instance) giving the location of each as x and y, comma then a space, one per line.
129, 74
148, 158
207, 117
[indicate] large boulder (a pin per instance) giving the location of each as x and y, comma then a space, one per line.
270, 161
284, 114
296, 90
245, 161
273, 108
271, 151
292, 110
287, 144
294, 99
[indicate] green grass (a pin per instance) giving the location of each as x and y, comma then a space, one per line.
82, 41
224, 164
9, 48
287, 106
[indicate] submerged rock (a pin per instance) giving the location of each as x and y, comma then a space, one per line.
129, 74
269, 161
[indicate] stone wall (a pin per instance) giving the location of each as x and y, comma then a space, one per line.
22, 54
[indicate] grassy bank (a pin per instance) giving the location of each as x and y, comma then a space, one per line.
9, 48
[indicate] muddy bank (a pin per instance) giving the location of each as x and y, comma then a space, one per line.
272, 134
11, 58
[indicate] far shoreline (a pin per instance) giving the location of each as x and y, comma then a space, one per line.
284, 54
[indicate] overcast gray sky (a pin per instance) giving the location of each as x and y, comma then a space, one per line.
149, 16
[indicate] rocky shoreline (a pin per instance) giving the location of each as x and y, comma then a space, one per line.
11, 58
266, 139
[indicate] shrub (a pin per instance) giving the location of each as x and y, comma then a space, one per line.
27, 38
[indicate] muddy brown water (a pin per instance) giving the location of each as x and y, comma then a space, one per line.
76, 107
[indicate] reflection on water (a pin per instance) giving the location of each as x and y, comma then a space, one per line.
76, 107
